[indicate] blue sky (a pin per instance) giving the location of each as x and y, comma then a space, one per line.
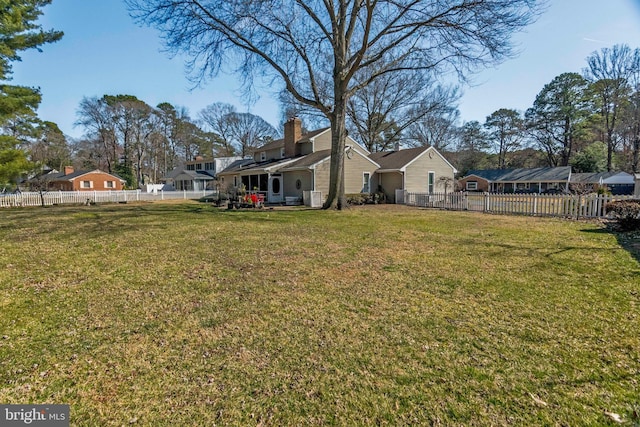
104, 52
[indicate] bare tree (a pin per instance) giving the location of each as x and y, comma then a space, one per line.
238, 132
608, 71
94, 115
218, 118
315, 48
390, 108
250, 131
506, 131
436, 128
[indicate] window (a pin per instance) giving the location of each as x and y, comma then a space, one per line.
365, 182
235, 181
198, 166
472, 185
191, 167
431, 181
209, 166
109, 184
263, 156
86, 184
282, 153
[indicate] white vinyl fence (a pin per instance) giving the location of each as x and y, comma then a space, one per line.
87, 197
564, 205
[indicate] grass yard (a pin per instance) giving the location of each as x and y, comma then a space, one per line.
182, 314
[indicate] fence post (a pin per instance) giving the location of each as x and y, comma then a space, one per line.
485, 205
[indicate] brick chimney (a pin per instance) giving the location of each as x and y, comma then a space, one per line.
68, 170
292, 134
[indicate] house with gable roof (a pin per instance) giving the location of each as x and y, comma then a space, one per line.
297, 163
417, 170
522, 180
83, 180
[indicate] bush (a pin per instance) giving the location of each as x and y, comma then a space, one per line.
365, 198
627, 213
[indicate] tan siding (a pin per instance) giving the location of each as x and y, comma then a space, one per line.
273, 154
306, 148
353, 173
322, 177
390, 182
290, 179
417, 174
322, 141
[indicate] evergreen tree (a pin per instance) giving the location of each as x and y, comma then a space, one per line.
18, 31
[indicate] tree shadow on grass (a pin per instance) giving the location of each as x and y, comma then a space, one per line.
628, 240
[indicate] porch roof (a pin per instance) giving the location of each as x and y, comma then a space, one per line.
193, 175
308, 161
250, 166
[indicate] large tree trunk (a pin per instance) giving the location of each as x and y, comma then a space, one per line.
336, 198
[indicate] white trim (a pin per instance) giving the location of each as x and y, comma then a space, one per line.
368, 182
433, 190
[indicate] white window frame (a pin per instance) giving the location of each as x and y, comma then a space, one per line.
472, 185
431, 182
263, 156
110, 184
366, 182
82, 184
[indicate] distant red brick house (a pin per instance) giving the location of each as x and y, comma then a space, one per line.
71, 180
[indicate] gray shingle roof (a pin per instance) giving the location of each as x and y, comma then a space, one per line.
524, 174
60, 176
396, 159
279, 143
308, 160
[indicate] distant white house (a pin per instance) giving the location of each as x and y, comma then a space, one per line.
198, 174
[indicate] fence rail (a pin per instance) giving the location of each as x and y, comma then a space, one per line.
564, 205
86, 197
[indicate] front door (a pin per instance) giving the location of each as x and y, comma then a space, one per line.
275, 189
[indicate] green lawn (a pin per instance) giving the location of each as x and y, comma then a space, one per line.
182, 314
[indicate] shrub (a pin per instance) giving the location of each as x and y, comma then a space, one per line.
356, 198
365, 198
626, 212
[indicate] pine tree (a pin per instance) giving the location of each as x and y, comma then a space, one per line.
19, 31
